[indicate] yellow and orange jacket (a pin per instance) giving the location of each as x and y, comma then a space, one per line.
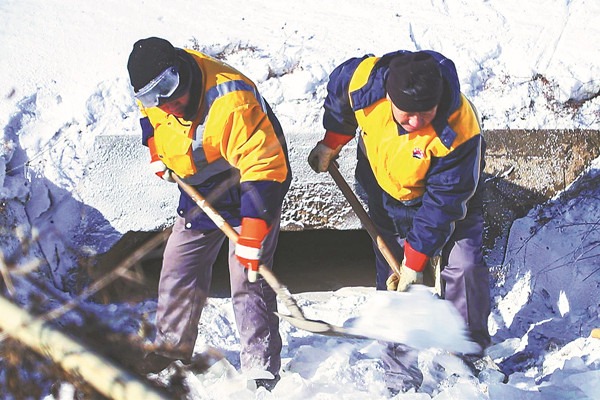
436, 169
232, 150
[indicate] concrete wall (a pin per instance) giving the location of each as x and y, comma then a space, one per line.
524, 168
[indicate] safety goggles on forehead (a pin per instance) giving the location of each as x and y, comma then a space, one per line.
161, 87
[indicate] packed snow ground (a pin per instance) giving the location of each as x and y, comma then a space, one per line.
65, 100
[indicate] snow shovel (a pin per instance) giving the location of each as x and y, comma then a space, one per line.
364, 218
296, 317
372, 229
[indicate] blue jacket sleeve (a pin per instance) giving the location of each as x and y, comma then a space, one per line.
261, 199
339, 116
451, 182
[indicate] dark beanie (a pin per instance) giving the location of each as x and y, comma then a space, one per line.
148, 59
414, 82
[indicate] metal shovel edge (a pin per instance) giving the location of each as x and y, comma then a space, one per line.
320, 327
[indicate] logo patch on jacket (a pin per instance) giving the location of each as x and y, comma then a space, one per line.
418, 153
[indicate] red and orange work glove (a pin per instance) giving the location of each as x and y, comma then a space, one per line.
157, 165
249, 245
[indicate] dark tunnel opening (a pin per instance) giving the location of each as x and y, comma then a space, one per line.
305, 261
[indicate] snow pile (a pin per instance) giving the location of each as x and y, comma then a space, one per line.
548, 299
416, 318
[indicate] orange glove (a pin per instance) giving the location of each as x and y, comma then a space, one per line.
249, 245
157, 165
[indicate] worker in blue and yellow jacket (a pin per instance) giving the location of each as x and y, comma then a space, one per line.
206, 122
420, 160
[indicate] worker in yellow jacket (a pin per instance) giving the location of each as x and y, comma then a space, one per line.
206, 122
420, 159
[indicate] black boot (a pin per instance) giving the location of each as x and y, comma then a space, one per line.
268, 384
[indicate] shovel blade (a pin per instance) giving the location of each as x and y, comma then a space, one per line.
319, 327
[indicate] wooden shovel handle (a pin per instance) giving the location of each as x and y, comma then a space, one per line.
213, 215
207, 208
364, 217
224, 226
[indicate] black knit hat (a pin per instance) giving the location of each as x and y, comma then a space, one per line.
148, 59
414, 82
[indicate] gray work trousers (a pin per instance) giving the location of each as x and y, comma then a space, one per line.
184, 286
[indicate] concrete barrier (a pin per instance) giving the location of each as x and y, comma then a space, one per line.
524, 168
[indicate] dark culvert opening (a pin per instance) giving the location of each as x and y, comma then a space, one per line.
305, 261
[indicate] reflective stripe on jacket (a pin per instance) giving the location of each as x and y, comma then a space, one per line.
436, 168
